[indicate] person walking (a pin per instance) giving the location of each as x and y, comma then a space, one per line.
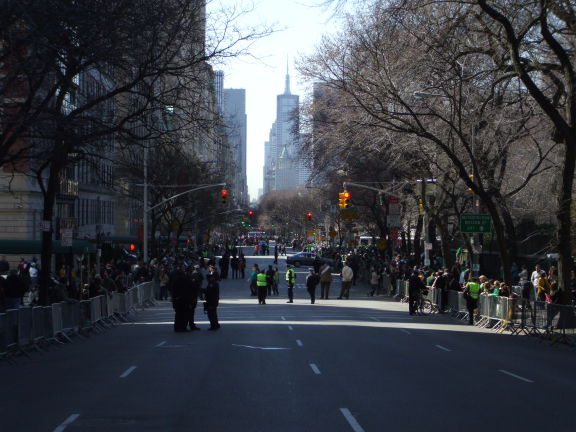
262, 286
471, 295
275, 282
276, 254
311, 282
325, 280
212, 297
290, 281
374, 279
347, 275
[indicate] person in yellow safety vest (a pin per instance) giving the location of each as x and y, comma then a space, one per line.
290, 280
471, 295
262, 286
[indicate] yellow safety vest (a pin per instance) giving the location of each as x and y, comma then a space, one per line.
474, 289
261, 279
290, 275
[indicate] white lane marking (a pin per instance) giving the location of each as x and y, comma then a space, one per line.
290, 328
68, 421
128, 371
299, 342
348, 416
160, 344
260, 348
405, 331
315, 369
515, 376
283, 318
443, 348
375, 319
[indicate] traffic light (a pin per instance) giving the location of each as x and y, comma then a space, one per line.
344, 199
347, 197
224, 195
132, 247
421, 206
309, 216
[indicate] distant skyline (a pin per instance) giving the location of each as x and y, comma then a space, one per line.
263, 77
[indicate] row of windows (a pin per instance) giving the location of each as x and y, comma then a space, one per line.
100, 174
95, 211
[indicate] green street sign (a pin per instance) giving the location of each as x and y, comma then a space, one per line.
475, 223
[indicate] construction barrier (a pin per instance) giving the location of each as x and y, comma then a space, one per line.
31, 327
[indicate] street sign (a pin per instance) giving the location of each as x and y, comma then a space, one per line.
394, 221
66, 237
475, 223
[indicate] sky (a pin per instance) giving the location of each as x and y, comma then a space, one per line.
301, 25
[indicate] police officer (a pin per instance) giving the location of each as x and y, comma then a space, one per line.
290, 281
262, 286
471, 295
196, 279
212, 297
415, 286
180, 288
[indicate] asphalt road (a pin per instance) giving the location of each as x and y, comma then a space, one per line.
353, 365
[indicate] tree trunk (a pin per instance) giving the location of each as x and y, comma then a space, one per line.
564, 230
46, 250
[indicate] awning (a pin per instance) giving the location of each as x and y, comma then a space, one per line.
33, 247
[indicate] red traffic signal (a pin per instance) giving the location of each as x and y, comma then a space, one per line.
132, 247
250, 213
309, 216
224, 195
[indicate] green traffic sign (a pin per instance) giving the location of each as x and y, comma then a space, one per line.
475, 223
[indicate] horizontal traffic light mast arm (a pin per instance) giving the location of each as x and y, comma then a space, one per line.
186, 192
362, 186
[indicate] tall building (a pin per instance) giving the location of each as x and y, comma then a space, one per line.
219, 90
283, 167
234, 101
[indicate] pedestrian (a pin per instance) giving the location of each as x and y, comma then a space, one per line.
471, 295
242, 265
234, 266
312, 281
262, 287
224, 264
212, 298
325, 280
275, 282
180, 287
347, 276
253, 280
534, 279
415, 287
290, 281
276, 254
441, 284
270, 279
543, 287
374, 278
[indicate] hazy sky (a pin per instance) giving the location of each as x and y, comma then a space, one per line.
303, 25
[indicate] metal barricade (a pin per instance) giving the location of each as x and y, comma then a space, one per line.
57, 319
24, 326
48, 323
85, 314
11, 328
562, 323
37, 329
70, 317
3, 335
453, 304
96, 309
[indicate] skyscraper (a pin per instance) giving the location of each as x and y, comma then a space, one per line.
234, 102
283, 168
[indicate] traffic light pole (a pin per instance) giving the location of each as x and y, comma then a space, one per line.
147, 210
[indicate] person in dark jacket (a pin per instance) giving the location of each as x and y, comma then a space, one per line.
312, 281
14, 289
180, 287
415, 286
196, 279
212, 297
